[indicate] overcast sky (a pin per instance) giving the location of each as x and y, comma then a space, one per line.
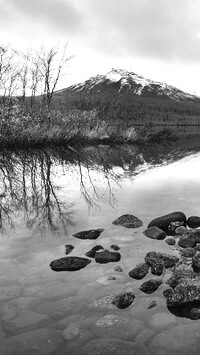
159, 39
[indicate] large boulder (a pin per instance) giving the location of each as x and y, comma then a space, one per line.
154, 257
154, 233
193, 222
163, 222
150, 286
90, 234
70, 263
187, 291
105, 256
128, 221
139, 271
180, 275
123, 300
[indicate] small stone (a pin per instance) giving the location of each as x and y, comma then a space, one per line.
68, 248
180, 230
157, 269
71, 332
154, 233
193, 222
152, 304
195, 313
70, 263
90, 234
128, 221
105, 256
167, 292
187, 241
150, 286
115, 247
123, 300
118, 268
170, 241
91, 253
188, 252
139, 272
197, 247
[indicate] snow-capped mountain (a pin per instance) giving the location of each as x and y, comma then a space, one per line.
122, 81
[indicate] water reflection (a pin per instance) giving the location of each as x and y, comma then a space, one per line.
41, 189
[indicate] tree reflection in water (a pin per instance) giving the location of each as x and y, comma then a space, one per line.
33, 183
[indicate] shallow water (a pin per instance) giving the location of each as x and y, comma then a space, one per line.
46, 196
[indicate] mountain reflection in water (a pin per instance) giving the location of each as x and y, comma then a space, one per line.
41, 190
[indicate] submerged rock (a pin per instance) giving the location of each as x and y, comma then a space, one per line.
187, 240
150, 286
154, 233
188, 252
157, 268
115, 247
163, 222
105, 256
152, 304
187, 291
70, 263
123, 300
90, 234
118, 268
193, 222
91, 253
139, 272
170, 241
68, 248
180, 230
153, 258
128, 221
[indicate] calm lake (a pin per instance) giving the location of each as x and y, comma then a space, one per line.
48, 195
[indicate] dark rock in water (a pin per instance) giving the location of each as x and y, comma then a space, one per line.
187, 240
170, 241
157, 269
91, 253
193, 222
196, 261
69, 263
188, 291
167, 292
140, 271
195, 313
164, 221
180, 275
154, 233
197, 235
150, 286
128, 221
118, 268
152, 304
123, 300
154, 257
197, 247
68, 248
188, 252
105, 256
180, 230
90, 234
173, 226
115, 247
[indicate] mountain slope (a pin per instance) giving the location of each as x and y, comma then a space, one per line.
121, 82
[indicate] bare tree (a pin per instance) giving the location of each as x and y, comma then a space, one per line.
52, 63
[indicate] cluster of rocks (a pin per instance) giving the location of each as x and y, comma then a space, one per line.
101, 255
